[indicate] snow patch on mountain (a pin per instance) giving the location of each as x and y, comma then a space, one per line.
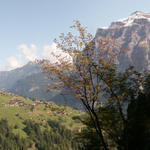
129, 21
104, 27
136, 15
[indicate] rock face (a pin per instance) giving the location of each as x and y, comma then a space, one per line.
132, 34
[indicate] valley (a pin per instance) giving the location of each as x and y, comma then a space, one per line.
82, 92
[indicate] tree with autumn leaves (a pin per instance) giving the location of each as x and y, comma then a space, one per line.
91, 75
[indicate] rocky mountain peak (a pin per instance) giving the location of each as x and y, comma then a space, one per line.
133, 34
136, 15
133, 19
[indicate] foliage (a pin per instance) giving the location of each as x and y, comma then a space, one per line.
93, 78
139, 120
58, 138
8, 140
89, 74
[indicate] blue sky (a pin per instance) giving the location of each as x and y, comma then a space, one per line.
28, 27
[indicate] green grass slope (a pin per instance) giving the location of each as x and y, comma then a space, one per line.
16, 109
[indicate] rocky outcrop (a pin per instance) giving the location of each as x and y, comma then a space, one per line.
132, 34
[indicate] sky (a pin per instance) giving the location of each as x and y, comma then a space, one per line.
28, 27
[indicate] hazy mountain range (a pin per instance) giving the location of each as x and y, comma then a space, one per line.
30, 81
133, 34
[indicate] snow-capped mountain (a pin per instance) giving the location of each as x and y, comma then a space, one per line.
129, 21
132, 34
136, 15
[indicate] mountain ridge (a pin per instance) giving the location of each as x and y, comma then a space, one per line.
29, 80
135, 38
130, 20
